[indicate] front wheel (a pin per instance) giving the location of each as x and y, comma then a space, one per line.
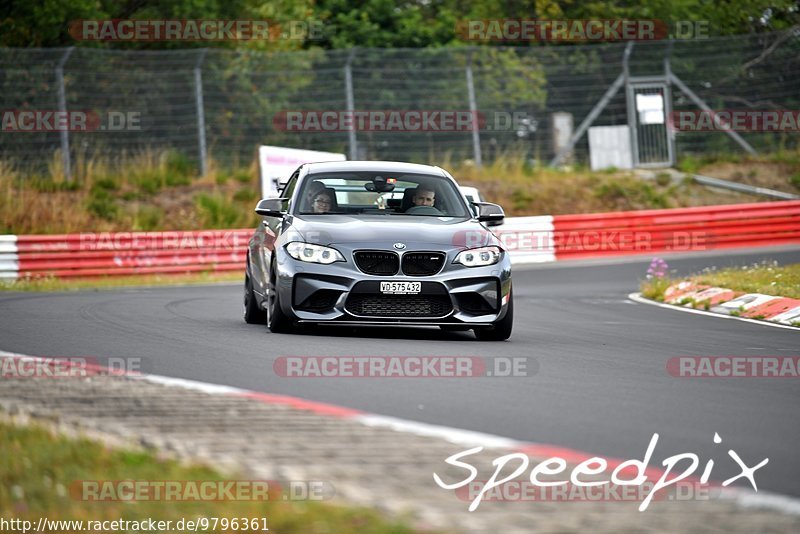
252, 313
501, 330
277, 321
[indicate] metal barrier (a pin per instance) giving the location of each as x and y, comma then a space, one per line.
676, 230
528, 240
122, 253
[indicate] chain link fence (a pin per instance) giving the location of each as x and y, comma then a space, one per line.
223, 104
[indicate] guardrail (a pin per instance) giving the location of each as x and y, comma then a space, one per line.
122, 253
528, 240
676, 230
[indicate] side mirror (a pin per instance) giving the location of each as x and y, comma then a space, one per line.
491, 214
271, 207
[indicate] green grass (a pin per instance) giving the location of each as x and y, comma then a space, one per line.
38, 473
218, 211
767, 278
162, 190
795, 180
110, 282
654, 288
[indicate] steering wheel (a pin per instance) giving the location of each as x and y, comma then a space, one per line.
423, 210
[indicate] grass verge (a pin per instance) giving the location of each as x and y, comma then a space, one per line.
38, 472
767, 278
110, 282
161, 190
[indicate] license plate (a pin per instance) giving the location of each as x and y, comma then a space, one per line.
401, 288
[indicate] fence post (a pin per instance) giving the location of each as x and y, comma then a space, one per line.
630, 104
66, 161
622, 80
201, 118
473, 108
673, 157
348, 82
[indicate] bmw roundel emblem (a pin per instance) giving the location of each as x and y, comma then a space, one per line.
400, 246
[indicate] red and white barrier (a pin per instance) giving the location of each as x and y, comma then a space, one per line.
528, 239
676, 230
9, 257
122, 253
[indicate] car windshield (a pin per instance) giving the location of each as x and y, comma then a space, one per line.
375, 193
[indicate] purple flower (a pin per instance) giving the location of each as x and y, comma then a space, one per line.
658, 268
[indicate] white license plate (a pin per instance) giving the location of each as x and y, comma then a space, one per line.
401, 288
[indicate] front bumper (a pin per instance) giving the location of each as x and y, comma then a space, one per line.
340, 293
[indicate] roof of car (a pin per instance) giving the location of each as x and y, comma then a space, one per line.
378, 166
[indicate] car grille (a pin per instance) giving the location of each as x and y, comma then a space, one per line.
377, 262
422, 263
399, 305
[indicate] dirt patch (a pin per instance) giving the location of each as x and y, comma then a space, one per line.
772, 175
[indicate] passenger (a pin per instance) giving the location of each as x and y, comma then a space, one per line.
425, 196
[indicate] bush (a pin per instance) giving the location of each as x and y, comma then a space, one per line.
148, 218
242, 176
102, 204
245, 194
689, 164
216, 211
663, 179
521, 199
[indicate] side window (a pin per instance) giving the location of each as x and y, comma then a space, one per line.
288, 189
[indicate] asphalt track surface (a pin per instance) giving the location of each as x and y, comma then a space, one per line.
601, 384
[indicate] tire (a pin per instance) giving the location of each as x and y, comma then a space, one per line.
252, 313
502, 328
277, 321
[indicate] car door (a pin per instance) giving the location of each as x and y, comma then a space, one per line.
262, 245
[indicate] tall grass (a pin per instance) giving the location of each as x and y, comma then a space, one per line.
523, 189
161, 189
147, 190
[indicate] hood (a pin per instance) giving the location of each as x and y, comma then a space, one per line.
385, 230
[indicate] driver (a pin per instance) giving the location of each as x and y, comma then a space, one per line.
318, 198
425, 196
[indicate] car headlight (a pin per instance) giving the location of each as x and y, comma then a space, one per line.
313, 253
478, 257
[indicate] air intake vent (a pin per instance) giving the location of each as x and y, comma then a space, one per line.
421, 306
